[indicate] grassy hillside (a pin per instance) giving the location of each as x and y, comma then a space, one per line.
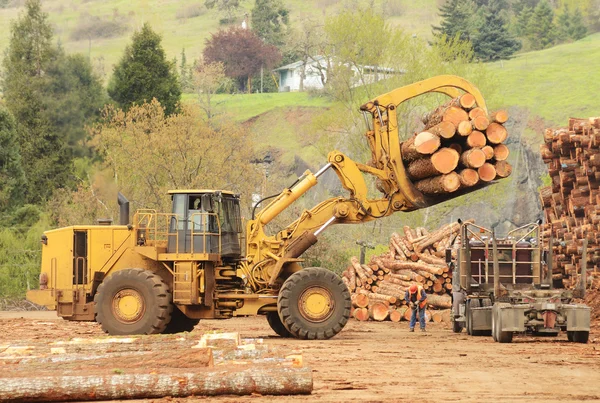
555, 83
166, 17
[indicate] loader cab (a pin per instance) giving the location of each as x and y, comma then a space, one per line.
205, 221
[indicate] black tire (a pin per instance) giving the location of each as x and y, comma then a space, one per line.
180, 323
581, 336
147, 296
494, 325
502, 337
276, 325
457, 327
334, 305
570, 335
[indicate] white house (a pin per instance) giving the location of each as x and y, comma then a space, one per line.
315, 74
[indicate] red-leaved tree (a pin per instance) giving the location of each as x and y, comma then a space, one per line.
242, 53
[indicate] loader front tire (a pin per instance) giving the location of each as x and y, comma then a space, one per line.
133, 301
276, 324
314, 303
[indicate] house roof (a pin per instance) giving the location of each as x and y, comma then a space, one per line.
299, 63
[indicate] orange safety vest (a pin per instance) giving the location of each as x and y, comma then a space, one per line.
424, 302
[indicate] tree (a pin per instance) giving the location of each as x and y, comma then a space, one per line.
522, 25
270, 19
578, 30
229, 7
242, 54
541, 26
51, 97
493, 41
210, 78
457, 19
180, 151
144, 73
11, 173
185, 74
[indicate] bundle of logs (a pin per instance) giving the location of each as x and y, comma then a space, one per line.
572, 203
414, 257
460, 147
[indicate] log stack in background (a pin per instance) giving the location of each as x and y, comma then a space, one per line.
414, 257
572, 203
460, 147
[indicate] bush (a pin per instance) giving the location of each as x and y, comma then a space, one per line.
191, 11
92, 27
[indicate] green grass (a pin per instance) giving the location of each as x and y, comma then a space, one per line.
555, 83
247, 106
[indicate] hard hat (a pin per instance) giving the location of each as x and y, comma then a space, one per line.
413, 288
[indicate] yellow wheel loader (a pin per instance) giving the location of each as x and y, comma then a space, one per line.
163, 272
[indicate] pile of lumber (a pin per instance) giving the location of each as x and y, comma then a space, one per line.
147, 367
572, 203
460, 147
414, 257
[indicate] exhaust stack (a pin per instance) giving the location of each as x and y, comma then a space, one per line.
123, 209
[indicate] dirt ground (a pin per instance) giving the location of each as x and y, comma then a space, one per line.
383, 362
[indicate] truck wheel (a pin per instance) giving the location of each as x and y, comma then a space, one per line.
570, 335
133, 301
468, 317
501, 337
314, 303
276, 325
581, 336
457, 327
180, 323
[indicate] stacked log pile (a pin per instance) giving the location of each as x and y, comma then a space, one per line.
460, 147
414, 257
572, 203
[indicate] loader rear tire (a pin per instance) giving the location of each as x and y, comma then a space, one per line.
580, 336
133, 301
277, 325
314, 303
180, 323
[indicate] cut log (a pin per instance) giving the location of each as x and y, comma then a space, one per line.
395, 315
446, 316
417, 146
439, 184
464, 128
468, 177
487, 172
455, 115
503, 169
467, 101
359, 300
496, 133
480, 122
488, 151
436, 261
477, 111
442, 161
361, 314
476, 139
444, 130
501, 152
398, 265
473, 158
439, 301
352, 278
378, 312
500, 116
245, 380
436, 316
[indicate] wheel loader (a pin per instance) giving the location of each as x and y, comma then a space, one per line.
499, 287
164, 271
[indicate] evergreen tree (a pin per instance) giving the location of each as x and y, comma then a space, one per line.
541, 26
50, 96
577, 30
11, 172
493, 41
457, 19
563, 22
270, 19
523, 19
144, 73
185, 74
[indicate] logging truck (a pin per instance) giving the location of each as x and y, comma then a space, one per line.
499, 287
164, 271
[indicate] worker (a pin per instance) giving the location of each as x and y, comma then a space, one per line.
416, 298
